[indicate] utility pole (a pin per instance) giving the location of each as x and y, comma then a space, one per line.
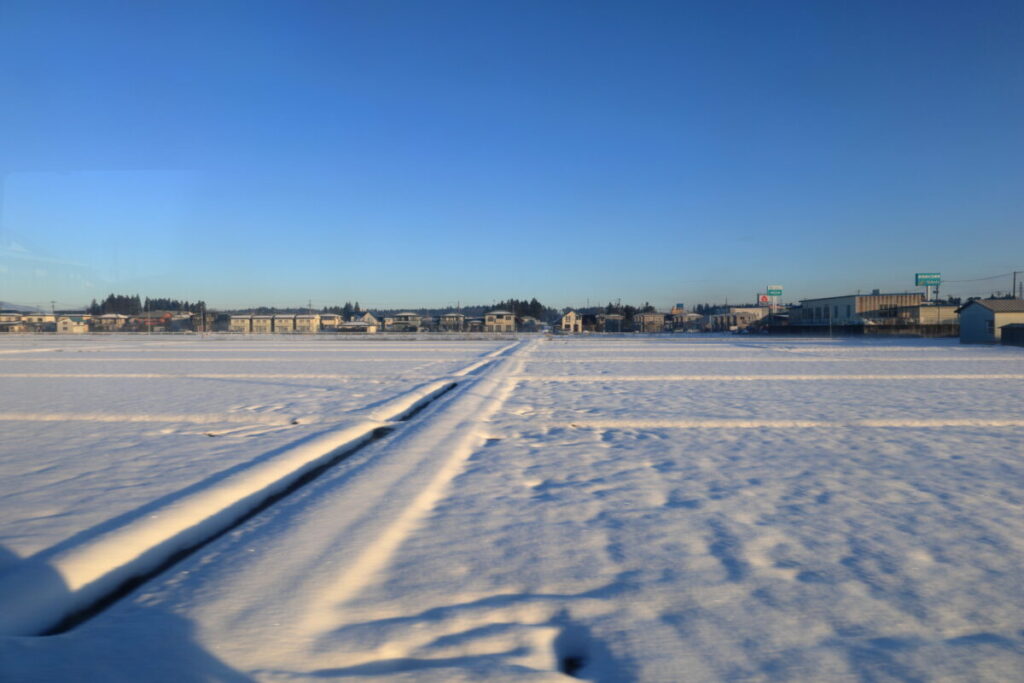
53, 310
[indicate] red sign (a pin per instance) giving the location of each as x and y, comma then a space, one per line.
762, 298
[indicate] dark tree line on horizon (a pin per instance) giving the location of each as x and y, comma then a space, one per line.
134, 305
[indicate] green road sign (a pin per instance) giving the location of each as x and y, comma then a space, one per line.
927, 279
775, 291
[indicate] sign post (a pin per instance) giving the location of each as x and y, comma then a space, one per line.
774, 291
928, 280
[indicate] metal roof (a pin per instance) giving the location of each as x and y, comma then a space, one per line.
998, 305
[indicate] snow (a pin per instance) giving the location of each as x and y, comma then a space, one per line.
102, 427
654, 509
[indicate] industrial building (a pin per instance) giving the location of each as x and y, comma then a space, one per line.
857, 309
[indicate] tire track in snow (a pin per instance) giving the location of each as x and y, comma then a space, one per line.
96, 571
437, 450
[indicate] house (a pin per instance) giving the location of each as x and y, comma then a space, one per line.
649, 322
858, 309
500, 321
452, 322
307, 324
284, 323
39, 319
475, 324
183, 322
109, 322
262, 324
571, 323
367, 318
357, 327
687, 321
39, 322
72, 324
203, 321
330, 321
241, 324
154, 321
982, 320
405, 322
736, 318
530, 324
610, 322
11, 322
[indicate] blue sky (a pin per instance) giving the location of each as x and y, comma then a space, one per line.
408, 154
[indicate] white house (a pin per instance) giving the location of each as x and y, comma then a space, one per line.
572, 322
500, 321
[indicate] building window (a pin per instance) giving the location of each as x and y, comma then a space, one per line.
990, 326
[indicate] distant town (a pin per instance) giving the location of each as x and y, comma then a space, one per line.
993, 320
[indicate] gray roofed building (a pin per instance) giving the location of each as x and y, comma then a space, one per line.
981, 320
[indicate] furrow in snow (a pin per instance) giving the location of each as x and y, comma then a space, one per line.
431, 455
96, 568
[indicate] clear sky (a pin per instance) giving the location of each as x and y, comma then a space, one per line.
410, 154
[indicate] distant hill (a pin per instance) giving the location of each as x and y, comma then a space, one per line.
8, 306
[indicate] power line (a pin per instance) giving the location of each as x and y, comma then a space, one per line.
980, 279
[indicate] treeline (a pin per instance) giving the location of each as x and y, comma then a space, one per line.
346, 311
134, 305
521, 307
532, 308
627, 311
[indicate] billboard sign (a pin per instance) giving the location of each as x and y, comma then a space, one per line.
774, 290
927, 279
762, 299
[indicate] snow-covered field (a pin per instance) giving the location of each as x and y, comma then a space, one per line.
656, 509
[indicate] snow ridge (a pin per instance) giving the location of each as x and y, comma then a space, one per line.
94, 569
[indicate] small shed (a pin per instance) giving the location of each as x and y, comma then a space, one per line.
1013, 334
982, 320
